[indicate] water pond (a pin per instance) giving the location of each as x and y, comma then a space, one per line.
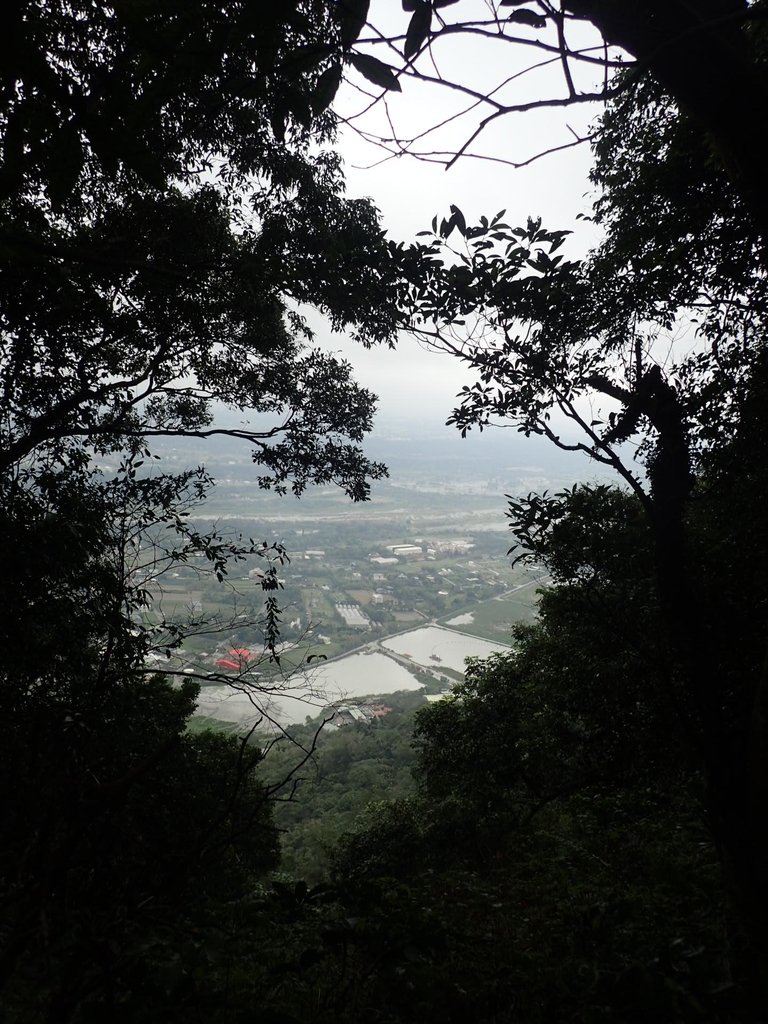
436, 647
357, 675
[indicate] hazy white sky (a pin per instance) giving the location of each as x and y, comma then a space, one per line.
412, 381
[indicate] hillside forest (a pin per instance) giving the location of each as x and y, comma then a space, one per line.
577, 831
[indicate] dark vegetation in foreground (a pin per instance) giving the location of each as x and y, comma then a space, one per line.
586, 835
530, 870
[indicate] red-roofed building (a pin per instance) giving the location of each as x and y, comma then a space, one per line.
226, 663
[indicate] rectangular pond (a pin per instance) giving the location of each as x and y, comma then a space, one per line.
437, 647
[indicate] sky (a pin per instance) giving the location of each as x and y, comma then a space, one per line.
412, 382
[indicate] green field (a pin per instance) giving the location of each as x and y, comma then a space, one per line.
494, 619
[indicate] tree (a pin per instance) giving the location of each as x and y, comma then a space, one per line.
193, 204
584, 354
169, 204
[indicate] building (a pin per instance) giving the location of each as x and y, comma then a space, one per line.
356, 714
406, 550
452, 547
353, 616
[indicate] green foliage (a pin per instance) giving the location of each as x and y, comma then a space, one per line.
138, 823
545, 333
350, 768
599, 910
665, 204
